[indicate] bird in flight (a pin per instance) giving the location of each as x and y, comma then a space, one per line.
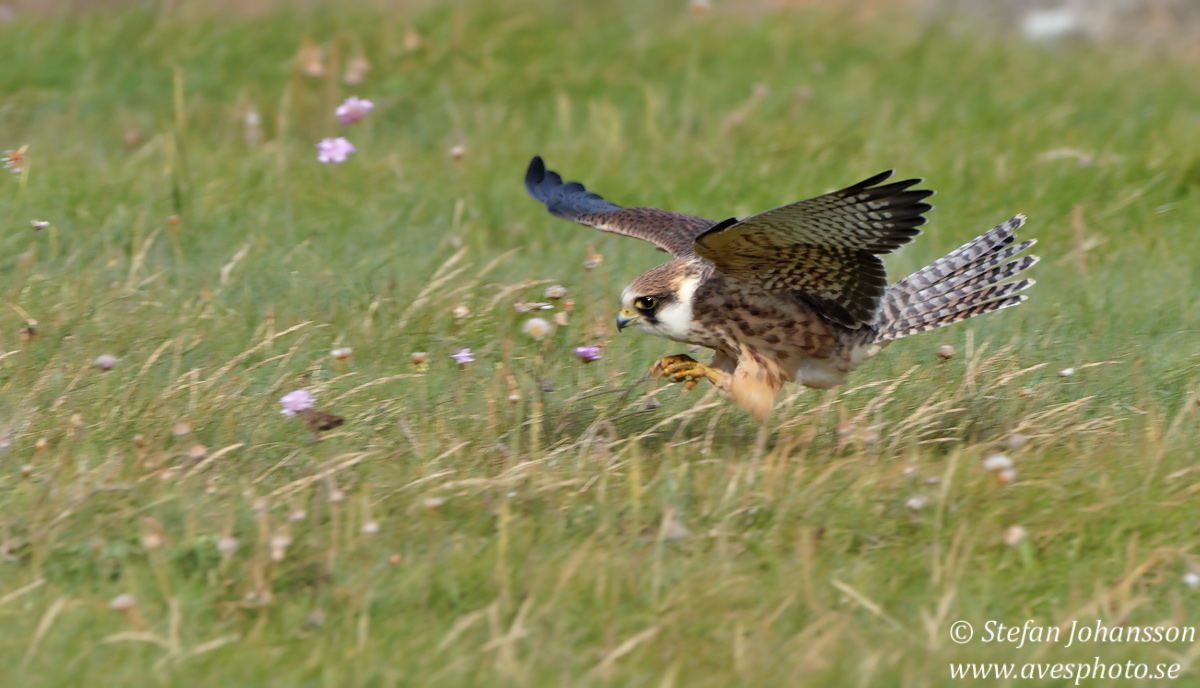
797, 293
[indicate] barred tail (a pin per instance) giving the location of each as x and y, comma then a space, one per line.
967, 282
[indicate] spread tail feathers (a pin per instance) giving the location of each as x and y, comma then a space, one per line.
968, 281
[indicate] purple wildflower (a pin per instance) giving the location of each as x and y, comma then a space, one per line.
463, 357
105, 361
587, 354
296, 401
353, 109
334, 150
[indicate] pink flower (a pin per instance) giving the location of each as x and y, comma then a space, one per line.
334, 150
105, 361
587, 354
463, 357
353, 110
296, 401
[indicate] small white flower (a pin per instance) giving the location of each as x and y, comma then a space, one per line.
997, 462
1192, 577
123, 603
945, 352
227, 545
1014, 535
342, 353
537, 328
279, 545
39, 224
356, 69
556, 292
370, 528
252, 132
1066, 372
675, 531
457, 152
916, 502
1044, 25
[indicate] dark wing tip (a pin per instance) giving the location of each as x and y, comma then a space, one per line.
882, 176
534, 176
569, 201
537, 169
722, 225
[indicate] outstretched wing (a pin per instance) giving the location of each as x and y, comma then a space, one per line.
825, 249
672, 232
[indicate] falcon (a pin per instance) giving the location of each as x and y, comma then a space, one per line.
795, 294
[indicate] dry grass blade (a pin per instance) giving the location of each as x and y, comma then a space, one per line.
22, 591
866, 603
220, 372
373, 383
605, 667
439, 278
205, 463
340, 463
43, 628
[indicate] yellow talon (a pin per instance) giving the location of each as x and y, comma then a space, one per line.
682, 368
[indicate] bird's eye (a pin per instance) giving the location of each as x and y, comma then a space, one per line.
645, 303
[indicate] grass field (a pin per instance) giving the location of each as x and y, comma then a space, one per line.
527, 519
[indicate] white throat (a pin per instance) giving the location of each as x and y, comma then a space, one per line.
674, 321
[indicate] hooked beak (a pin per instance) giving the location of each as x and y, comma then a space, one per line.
625, 318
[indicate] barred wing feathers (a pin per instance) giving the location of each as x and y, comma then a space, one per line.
671, 232
824, 249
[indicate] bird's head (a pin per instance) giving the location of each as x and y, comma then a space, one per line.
660, 301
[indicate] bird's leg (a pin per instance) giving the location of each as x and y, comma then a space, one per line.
685, 369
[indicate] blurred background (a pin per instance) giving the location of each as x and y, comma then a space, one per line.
175, 258
1148, 21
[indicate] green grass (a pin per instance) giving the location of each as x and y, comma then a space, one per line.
550, 553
